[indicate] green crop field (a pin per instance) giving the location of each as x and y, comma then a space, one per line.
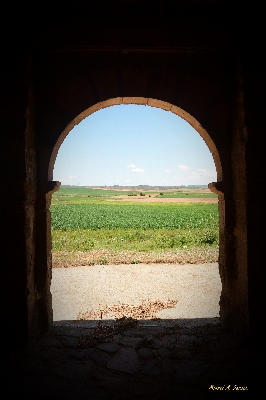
134, 216
106, 231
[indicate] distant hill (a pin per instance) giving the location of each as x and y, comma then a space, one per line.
142, 187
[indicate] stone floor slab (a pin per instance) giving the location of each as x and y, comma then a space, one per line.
126, 360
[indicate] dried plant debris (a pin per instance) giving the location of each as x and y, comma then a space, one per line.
101, 332
146, 310
126, 316
125, 322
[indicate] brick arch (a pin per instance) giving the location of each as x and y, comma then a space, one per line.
140, 101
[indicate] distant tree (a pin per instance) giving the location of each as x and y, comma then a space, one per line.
161, 194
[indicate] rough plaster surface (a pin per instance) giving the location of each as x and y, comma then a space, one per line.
196, 288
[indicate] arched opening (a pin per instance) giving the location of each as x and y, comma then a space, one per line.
141, 101
149, 102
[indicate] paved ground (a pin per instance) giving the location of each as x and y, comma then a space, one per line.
190, 291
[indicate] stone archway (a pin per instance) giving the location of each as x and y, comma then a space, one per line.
77, 87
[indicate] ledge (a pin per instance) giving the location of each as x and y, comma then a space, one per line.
216, 187
52, 186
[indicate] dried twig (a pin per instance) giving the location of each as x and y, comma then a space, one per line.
146, 310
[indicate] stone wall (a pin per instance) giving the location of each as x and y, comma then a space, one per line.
59, 69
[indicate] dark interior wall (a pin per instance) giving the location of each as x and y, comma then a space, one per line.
253, 76
18, 190
70, 82
61, 61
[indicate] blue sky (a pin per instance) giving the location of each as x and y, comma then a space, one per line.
134, 145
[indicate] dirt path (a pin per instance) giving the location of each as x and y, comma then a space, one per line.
158, 290
145, 199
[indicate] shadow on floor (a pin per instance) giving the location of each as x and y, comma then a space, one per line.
129, 359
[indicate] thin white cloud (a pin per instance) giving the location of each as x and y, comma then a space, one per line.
167, 171
206, 172
202, 173
183, 167
72, 177
135, 169
194, 176
127, 180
